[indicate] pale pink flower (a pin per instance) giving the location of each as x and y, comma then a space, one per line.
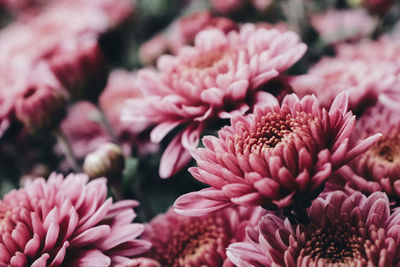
386, 48
84, 129
363, 80
123, 85
343, 231
343, 25
279, 157
216, 78
199, 241
67, 222
378, 169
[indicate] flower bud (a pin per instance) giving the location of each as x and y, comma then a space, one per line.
107, 161
41, 107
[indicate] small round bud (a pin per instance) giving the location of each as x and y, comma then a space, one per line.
41, 107
106, 161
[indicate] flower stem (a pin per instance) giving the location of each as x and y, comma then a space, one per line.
67, 150
108, 126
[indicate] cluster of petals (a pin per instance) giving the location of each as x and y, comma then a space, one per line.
279, 156
69, 51
198, 241
378, 169
343, 230
67, 222
364, 80
215, 78
342, 25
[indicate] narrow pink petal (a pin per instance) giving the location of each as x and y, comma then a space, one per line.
192, 204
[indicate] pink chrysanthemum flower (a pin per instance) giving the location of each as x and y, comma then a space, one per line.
123, 85
198, 241
386, 48
362, 79
280, 156
215, 78
343, 231
83, 128
67, 222
378, 169
341, 25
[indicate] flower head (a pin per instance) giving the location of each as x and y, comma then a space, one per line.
378, 169
341, 25
343, 231
280, 156
67, 222
211, 80
362, 79
123, 85
83, 128
42, 105
198, 241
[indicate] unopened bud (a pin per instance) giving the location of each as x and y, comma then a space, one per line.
106, 161
41, 107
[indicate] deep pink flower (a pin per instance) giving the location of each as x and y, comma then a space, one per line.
378, 169
67, 222
199, 241
341, 25
364, 80
214, 79
83, 128
280, 156
79, 64
343, 231
227, 6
